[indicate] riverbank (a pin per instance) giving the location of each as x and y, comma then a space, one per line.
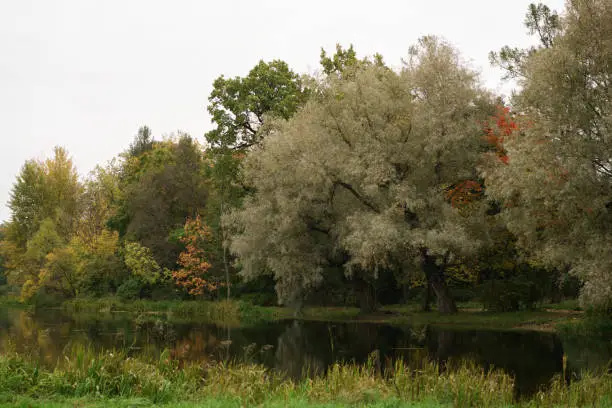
235, 312
86, 378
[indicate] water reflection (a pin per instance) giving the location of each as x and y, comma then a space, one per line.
297, 348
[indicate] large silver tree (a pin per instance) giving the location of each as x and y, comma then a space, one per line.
359, 177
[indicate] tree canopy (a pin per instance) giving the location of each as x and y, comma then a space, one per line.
557, 184
359, 174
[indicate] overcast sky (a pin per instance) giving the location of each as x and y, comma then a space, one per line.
86, 74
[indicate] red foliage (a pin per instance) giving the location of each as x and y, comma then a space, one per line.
464, 193
503, 127
192, 276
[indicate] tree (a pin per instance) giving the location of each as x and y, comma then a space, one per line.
44, 190
556, 187
540, 20
141, 263
238, 105
193, 274
2, 255
27, 203
358, 178
160, 189
143, 142
59, 273
238, 108
97, 203
99, 268
345, 62
31, 272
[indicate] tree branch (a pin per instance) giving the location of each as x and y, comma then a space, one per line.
362, 199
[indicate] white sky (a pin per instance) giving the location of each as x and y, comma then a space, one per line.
86, 74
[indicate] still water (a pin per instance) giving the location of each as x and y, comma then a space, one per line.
298, 347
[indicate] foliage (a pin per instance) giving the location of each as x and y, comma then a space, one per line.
361, 185
143, 142
238, 105
32, 273
130, 289
360, 174
141, 264
193, 275
160, 188
543, 22
344, 63
44, 190
555, 188
97, 202
98, 264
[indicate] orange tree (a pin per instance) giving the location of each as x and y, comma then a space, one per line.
193, 276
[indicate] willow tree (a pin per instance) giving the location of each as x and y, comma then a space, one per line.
557, 184
360, 177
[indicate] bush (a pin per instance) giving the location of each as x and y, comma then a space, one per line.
260, 299
463, 294
166, 292
130, 289
509, 295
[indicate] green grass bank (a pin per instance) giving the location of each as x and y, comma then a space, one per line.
86, 378
236, 312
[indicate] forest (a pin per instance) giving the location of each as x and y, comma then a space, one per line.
360, 186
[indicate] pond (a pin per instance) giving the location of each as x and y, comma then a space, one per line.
296, 348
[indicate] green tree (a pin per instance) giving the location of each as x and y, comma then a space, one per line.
31, 273
238, 105
345, 62
2, 255
556, 187
27, 203
48, 189
143, 142
98, 267
159, 190
139, 260
358, 178
101, 191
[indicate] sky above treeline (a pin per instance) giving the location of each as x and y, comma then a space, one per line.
86, 74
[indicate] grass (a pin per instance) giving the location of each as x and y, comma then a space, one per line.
87, 378
236, 312
472, 317
206, 403
228, 312
569, 305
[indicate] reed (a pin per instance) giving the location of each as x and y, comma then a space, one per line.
111, 375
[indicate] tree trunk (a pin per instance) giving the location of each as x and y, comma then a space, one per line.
446, 303
365, 295
435, 276
426, 306
223, 247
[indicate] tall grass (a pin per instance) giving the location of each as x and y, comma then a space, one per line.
105, 375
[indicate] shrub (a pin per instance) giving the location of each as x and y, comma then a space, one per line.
509, 295
130, 289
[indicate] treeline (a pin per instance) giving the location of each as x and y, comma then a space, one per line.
363, 185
